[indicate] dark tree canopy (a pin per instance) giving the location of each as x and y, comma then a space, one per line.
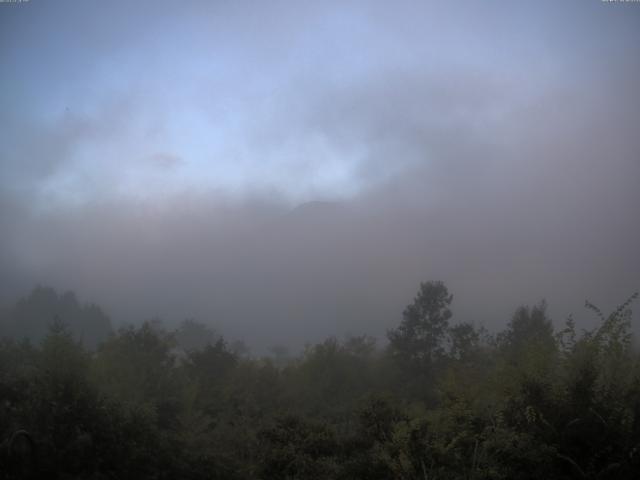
32, 316
442, 401
464, 341
529, 329
193, 335
420, 337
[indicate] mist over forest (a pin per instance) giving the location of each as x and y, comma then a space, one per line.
319, 239
289, 196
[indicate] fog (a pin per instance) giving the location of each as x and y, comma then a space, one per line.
288, 171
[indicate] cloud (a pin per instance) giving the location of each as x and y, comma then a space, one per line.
178, 182
165, 161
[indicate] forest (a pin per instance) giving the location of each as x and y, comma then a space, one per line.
437, 399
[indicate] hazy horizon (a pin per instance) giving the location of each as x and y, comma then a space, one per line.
287, 171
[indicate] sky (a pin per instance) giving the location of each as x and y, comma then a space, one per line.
289, 170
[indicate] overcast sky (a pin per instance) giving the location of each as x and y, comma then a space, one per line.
288, 170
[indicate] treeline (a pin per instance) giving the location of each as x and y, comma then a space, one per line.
31, 317
441, 400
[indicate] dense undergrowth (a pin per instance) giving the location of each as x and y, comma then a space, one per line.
442, 400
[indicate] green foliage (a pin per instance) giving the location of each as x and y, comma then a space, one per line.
419, 341
332, 376
443, 401
529, 331
294, 448
465, 341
